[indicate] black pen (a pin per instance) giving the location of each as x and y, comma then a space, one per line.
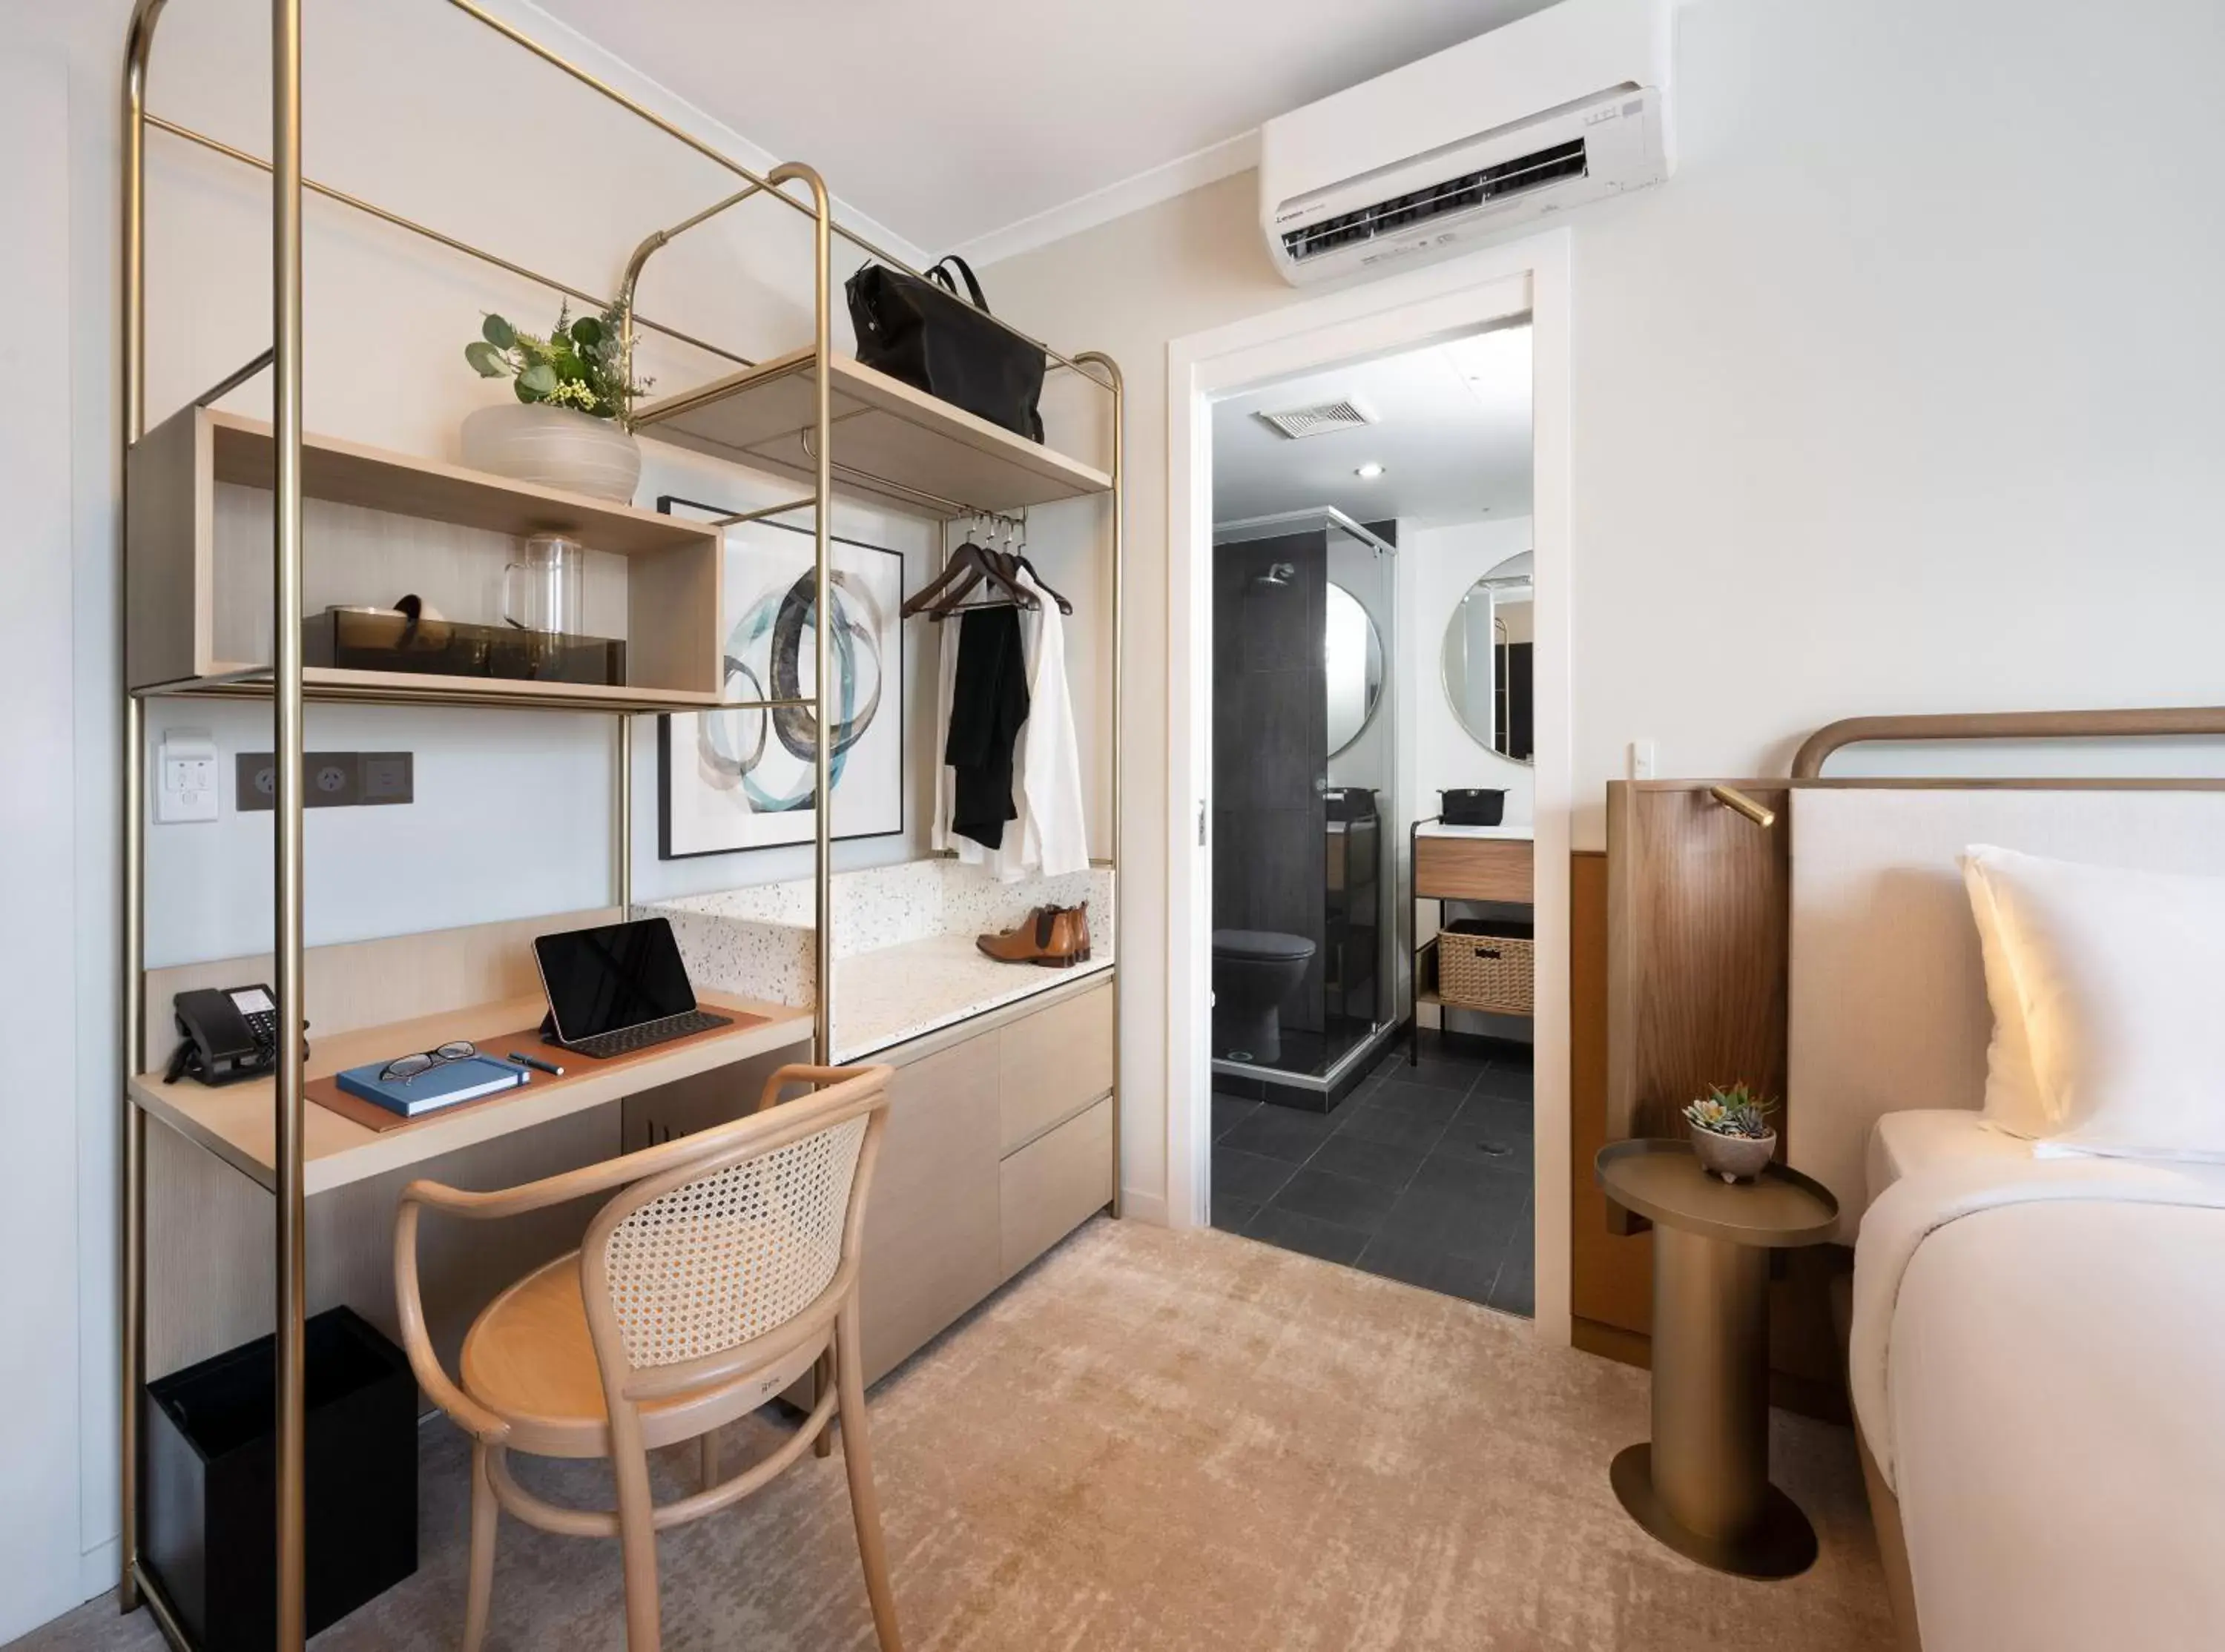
549, 1068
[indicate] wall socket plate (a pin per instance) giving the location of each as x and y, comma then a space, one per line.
331, 780
185, 777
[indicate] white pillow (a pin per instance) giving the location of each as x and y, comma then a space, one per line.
2120, 979
2014, 1102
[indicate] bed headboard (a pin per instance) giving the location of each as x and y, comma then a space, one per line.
1886, 1002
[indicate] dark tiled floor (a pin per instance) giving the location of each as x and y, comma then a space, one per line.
1423, 1174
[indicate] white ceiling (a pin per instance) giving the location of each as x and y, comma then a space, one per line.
1453, 439
948, 122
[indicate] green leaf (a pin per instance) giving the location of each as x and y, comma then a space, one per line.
498, 332
540, 378
490, 361
586, 333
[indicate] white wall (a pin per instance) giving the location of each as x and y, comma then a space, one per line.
1439, 562
1900, 396
425, 111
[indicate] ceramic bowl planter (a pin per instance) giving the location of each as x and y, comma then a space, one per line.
554, 447
1734, 1158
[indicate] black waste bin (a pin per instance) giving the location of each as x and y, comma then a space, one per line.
207, 1509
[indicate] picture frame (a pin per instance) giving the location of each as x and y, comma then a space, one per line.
731, 782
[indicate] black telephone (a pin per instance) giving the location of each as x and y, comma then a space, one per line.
230, 1034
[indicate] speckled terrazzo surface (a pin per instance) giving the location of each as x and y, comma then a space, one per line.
1172, 1442
905, 962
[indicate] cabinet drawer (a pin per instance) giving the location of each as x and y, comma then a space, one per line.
1053, 1184
932, 1241
1473, 869
1053, 1062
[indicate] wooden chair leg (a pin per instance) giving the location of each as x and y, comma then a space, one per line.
822, 1374
857, 1461
708, 1447
479, 1590
636, 1529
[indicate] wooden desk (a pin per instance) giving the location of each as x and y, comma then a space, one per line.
236, 1122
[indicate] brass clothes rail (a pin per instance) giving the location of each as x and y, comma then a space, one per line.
288, 693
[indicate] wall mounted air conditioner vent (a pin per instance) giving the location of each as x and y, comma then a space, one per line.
1320, 419
1546, 166
1564, 106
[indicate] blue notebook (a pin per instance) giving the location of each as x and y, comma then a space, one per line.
445, 1086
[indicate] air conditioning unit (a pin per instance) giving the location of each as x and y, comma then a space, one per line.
1564, 106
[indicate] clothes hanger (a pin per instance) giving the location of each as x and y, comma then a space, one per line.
1021, 565
969, 565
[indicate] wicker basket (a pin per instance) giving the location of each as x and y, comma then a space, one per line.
1493, 972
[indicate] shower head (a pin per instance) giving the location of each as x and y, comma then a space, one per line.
1277, 574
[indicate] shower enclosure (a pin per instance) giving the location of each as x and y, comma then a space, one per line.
1304, 781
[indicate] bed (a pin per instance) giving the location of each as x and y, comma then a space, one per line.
2036, 1349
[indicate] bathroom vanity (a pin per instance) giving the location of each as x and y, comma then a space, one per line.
1492, 973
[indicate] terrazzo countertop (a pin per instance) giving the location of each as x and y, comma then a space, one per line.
895, 993
904, 959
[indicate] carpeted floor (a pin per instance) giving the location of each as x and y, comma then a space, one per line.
1161, 1440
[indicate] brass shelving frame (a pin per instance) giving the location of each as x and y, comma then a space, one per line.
283, 682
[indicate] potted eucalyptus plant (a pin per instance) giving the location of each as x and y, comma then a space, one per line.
1731, 1132
568, 427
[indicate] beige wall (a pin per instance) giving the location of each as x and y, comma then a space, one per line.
1901, 395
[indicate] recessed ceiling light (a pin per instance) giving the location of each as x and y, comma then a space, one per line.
1369, 471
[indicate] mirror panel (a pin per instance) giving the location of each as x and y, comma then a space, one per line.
1487, 649
1352, 657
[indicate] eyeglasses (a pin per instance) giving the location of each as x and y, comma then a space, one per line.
407, 1067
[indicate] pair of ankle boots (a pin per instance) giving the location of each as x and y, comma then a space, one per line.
1056, 937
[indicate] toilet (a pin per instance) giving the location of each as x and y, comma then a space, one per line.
1254, 972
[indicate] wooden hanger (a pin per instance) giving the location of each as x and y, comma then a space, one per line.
970, 565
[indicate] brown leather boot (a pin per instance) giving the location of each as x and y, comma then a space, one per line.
1055, 937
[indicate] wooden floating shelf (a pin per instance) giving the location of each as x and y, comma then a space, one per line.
376, 525
334, 684
883, 428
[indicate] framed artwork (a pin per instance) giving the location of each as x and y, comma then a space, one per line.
738, 779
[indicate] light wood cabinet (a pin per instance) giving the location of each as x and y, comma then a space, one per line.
932, 1244
1473, 869
1000, 1143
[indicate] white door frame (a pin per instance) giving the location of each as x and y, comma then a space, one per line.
1377, 318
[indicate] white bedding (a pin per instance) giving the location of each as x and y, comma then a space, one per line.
1904, 1143
2039, 1368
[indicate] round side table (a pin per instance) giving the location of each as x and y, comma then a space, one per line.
1702, 1486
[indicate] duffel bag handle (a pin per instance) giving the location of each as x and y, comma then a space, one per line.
973, 286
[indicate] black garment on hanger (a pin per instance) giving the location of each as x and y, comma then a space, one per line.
988, 704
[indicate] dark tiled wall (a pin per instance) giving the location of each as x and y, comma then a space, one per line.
1269, 737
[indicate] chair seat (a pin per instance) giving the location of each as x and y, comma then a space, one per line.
529, 1359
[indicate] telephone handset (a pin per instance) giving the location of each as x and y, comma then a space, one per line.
230, 1034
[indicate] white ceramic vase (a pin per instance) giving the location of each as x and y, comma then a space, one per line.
555, 448
1734, 1158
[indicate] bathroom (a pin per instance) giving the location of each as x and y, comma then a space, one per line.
1370, 816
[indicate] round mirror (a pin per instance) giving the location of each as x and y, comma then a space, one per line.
1487, 659
1352, 655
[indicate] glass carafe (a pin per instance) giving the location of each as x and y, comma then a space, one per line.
546, 590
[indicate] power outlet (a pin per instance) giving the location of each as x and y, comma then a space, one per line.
330, 780
185, 777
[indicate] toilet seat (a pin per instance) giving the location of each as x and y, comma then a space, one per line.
1263, 945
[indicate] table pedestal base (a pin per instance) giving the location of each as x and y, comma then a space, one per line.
1780, 1543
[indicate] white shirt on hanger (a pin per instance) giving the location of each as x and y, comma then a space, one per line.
1049, 838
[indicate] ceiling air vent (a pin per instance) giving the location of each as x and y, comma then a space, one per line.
1320, 419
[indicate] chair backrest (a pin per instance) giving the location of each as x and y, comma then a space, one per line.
736, 1241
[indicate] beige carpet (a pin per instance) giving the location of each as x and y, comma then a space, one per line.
1159, 1440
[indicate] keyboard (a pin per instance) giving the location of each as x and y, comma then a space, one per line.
623, 1041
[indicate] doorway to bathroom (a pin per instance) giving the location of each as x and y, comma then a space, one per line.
1371, 910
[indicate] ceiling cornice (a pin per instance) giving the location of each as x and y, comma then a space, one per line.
1178, 177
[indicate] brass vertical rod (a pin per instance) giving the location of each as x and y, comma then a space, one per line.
622, 819
1118, 386
131, 1331
286, 335
822, 814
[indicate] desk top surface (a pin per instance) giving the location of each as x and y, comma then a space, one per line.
236, 1122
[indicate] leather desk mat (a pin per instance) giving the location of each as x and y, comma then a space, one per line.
328, 1094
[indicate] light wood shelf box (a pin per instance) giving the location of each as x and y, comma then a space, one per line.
882, 426
197, 498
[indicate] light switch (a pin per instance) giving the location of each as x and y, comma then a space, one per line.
1643, 759
185, 777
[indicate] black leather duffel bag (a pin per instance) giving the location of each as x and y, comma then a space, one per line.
923, 333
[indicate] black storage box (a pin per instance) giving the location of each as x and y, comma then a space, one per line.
1473, 806
207, 1508
356, 640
